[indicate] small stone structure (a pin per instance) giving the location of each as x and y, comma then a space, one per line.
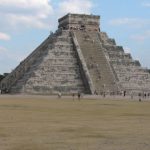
81, 22
78, 57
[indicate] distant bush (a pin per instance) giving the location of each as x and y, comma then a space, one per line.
3, 76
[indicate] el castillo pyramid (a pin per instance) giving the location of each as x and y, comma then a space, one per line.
78, 57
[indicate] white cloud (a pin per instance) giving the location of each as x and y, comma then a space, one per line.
24, 14
130, 22
28, 21
39, 5
38, 13
141, 37
4, 36
29, 13
76, 6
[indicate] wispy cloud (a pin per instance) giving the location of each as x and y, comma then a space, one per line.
146, 4
37, 7
130, 22
141, 37
21, 15
29, 13
4, 36
76, 6
38, 13
26, 21
64, 7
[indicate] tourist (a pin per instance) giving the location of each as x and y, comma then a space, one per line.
79, 95
95, 92
145, 95
124, 93
131, 95
148, 95
73, 95
139, 97
59, 94
104, 94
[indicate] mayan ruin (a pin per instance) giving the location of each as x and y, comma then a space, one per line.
78, 57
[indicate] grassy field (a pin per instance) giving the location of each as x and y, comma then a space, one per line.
44, 123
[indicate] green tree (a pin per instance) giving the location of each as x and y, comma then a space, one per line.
1, 77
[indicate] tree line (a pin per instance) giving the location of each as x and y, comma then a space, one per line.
2, 76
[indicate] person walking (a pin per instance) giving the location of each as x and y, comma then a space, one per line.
73, 95
59, 94
139, 97
79, 95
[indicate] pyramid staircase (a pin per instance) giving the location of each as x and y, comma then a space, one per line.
78, 57
130, 75
98, 66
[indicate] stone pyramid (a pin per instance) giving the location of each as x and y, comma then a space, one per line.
78, 57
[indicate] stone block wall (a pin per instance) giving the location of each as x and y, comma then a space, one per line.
51, 68
80, 22
131, 76
78, 57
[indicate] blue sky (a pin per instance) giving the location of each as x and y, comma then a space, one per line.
24, 24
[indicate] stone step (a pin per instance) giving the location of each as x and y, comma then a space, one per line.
100, 73
54, 69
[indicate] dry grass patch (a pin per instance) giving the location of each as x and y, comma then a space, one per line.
44, 123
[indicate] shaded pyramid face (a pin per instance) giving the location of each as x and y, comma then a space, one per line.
53, 67
78, 58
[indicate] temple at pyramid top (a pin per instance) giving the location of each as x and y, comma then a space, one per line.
78, 58
79, 21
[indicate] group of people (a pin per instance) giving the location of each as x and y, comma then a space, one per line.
140, 95
78, 95
73, 95
143, 95
4, 91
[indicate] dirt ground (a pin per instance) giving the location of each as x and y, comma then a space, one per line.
49, 123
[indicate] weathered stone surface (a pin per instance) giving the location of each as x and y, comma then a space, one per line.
78, 57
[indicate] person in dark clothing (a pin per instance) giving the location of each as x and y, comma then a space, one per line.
79, 95
73, 96
139, 97
124, 93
